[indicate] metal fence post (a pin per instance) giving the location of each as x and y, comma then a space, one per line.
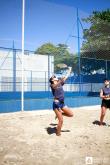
48, 71
79, 69
14, 68
106, 68
31, 80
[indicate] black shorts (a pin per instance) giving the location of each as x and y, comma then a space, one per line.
105, 103
58, 104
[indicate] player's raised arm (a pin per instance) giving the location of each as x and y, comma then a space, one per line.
68, 73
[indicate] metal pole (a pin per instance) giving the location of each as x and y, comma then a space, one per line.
45, 82
106, 68
48, 71
14, 68
31, 80
78, 51
22, 90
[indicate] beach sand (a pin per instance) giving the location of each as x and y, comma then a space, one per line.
28, 138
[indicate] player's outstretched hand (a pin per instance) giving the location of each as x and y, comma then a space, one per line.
70, 68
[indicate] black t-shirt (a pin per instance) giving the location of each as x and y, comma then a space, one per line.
57, 90
106, 91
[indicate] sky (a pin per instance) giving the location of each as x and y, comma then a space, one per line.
45, 21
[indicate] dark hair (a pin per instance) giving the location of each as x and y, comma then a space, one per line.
106, 79
51, 79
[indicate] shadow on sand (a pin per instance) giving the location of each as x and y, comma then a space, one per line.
52, 130
96, 122
52, 124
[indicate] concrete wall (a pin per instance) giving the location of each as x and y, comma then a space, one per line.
37, 68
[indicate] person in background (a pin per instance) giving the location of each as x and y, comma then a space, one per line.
105, 96
59, 106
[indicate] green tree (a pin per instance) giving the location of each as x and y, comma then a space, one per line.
97, 37
47, 48
60, 53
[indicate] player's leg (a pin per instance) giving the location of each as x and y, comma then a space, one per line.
67, 112
103, 112
60, 121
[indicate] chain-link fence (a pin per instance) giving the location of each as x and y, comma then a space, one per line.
86, 78
73, 38
87, 73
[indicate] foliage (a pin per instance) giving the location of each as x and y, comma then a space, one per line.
97, 37
68, 60
60, 53
46, 49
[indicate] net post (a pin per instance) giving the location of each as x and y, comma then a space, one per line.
79, 69
22, 86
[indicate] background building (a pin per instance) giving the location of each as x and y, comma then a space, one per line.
37, 70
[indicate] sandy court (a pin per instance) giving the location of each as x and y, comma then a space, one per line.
28, 138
